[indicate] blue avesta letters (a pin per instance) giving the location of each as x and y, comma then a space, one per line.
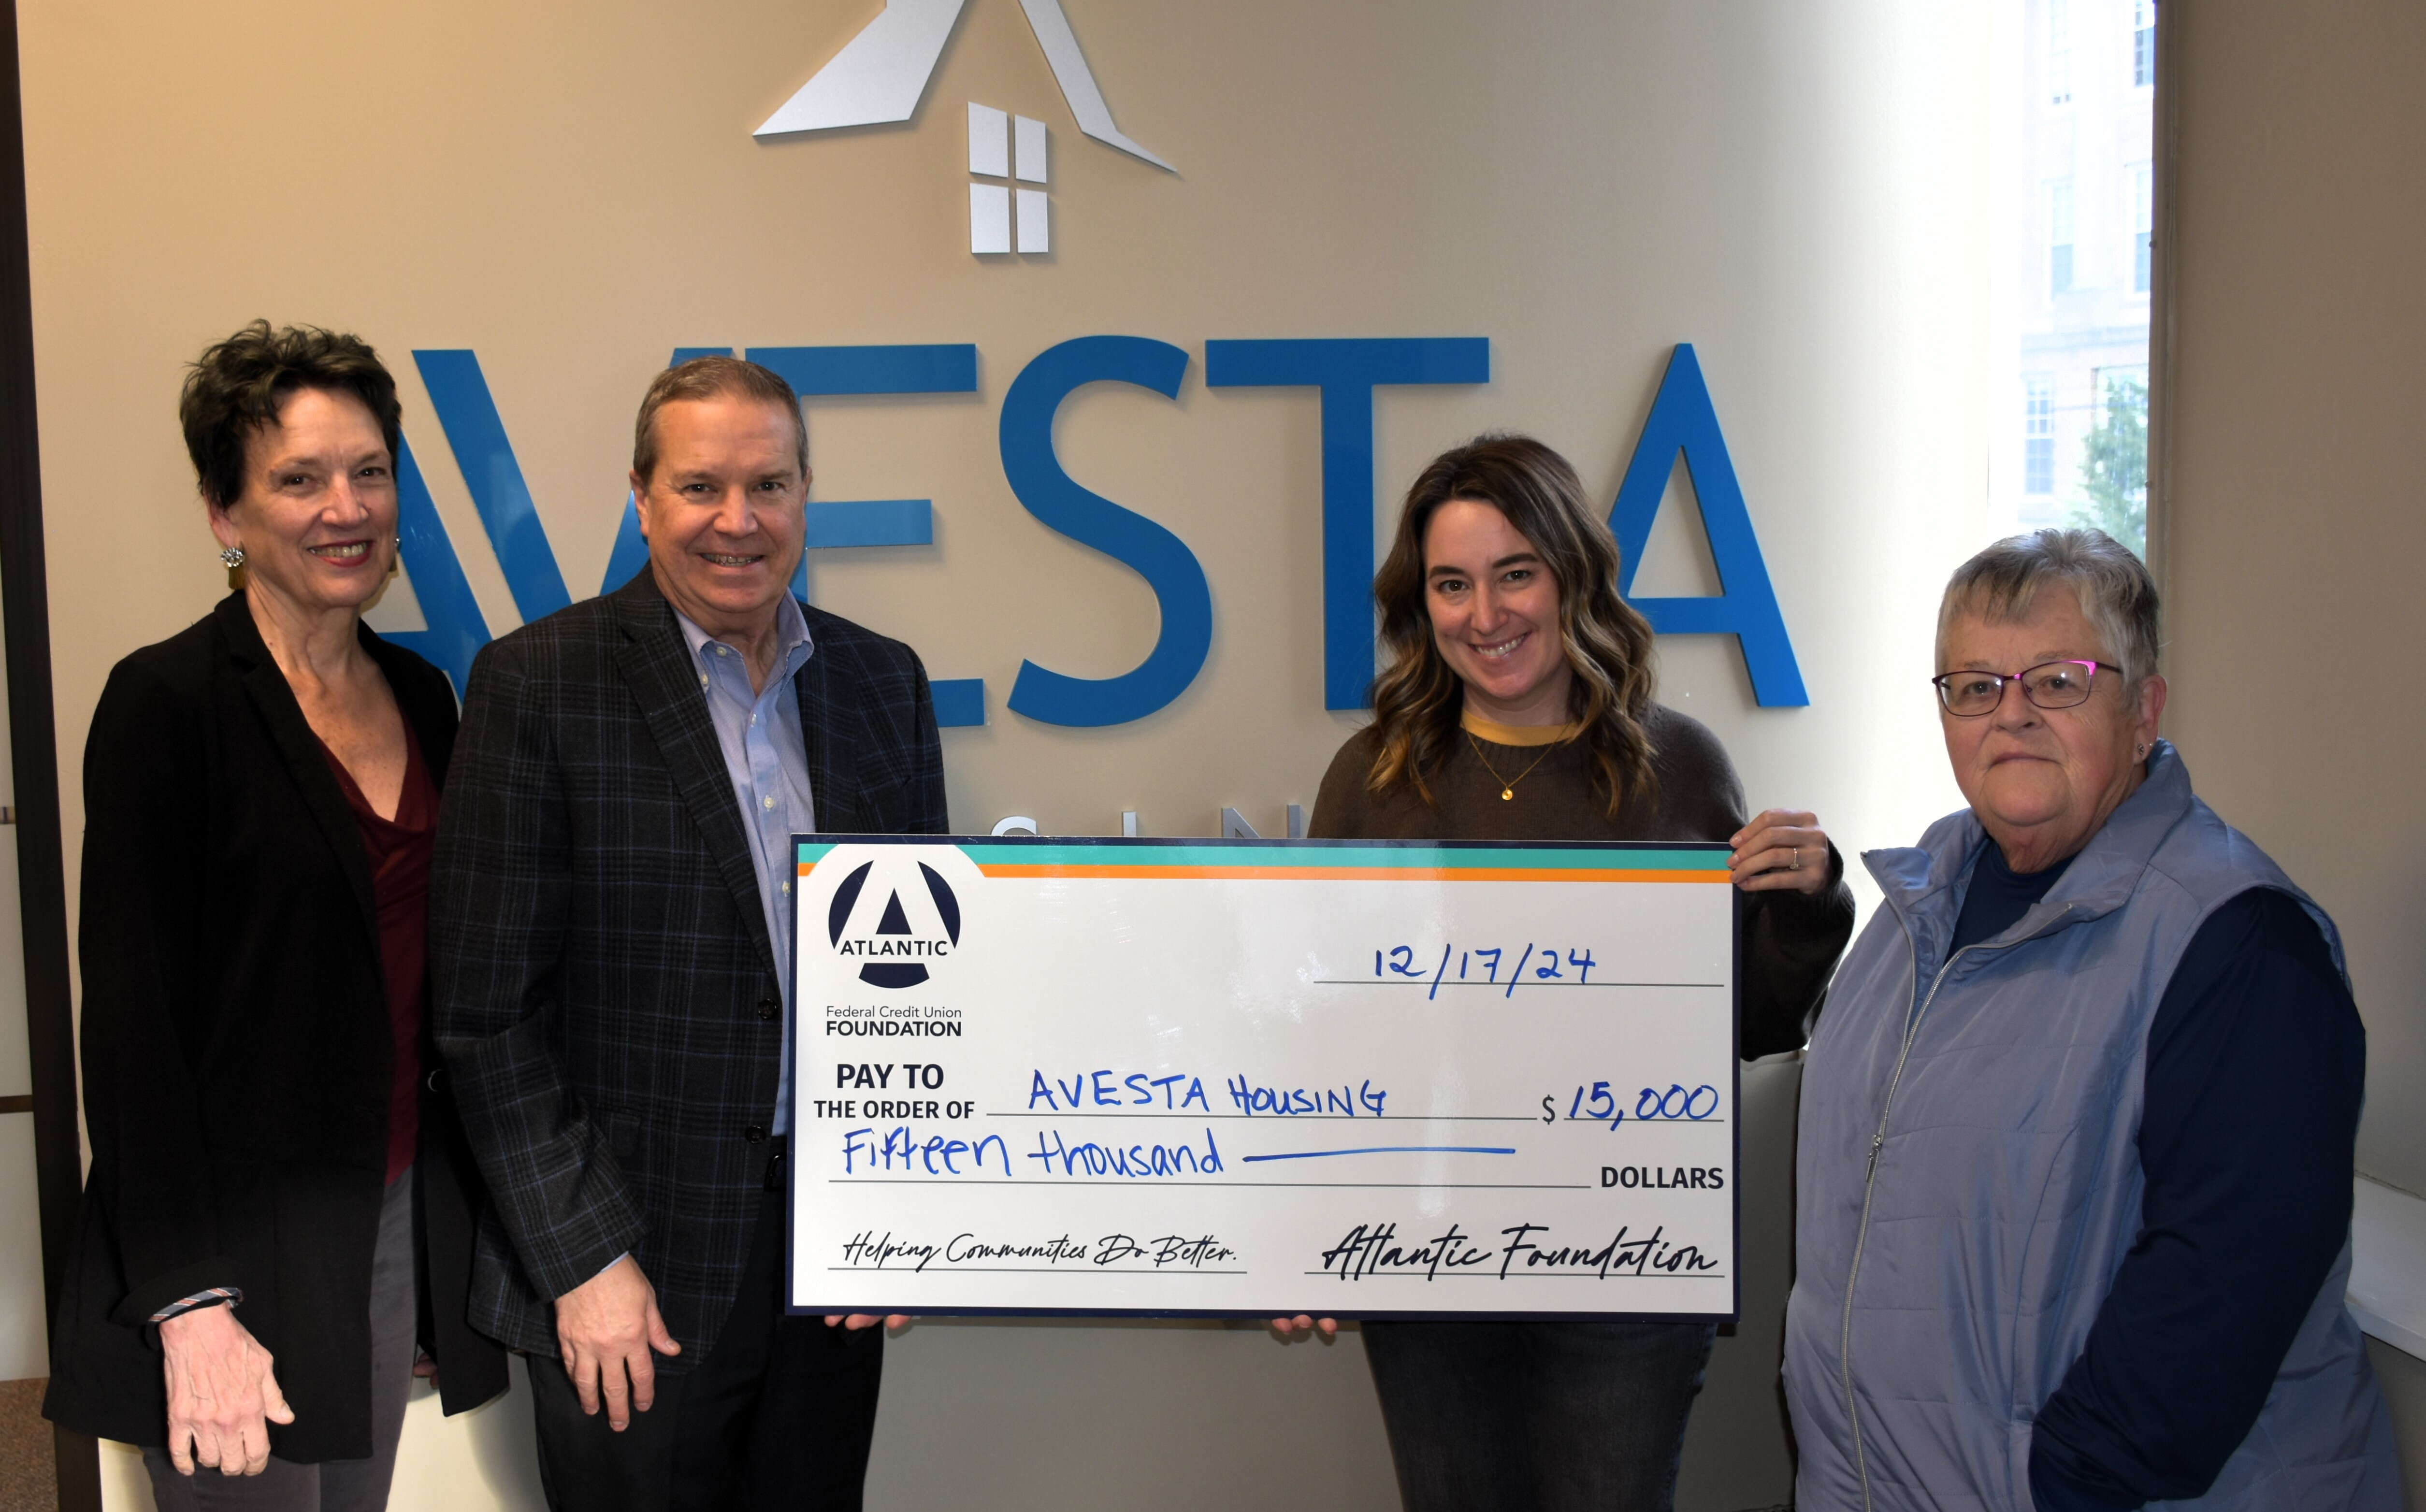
1169, 568
1682, 420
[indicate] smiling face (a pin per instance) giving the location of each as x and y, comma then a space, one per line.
722, 512
2044, 781
316, 518
1494, 615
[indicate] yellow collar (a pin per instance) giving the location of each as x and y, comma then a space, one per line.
1499, 734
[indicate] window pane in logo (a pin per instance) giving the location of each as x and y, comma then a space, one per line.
989, 141
1031, 151
989, 219
1035, 221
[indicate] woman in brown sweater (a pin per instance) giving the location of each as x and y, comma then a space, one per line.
1518, 705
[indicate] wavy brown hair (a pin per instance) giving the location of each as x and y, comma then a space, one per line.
1417, 697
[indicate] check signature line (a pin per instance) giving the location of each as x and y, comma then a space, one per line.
1348, 1186
1385, 1150
1594, 1277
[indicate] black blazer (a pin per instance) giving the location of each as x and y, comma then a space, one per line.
604, 985
237, 1052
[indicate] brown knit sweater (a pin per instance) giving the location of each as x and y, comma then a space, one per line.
1791, 939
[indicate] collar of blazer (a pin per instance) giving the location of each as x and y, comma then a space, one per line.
266, 687
657, 661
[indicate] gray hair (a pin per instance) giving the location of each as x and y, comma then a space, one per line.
2117, 595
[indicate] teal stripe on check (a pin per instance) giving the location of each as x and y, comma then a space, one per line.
1347, 858
1344, 857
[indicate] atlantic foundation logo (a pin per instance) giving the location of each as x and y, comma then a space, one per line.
894, 953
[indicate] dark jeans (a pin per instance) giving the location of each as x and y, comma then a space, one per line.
780, 1414
1537, 1417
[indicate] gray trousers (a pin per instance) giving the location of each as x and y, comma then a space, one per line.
337, 1484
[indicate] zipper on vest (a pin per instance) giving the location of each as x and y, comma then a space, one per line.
1862, 1233
1870, 1176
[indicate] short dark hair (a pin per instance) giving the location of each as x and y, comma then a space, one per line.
240, 385
712, 377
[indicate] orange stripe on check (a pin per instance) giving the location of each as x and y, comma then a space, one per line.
1359, 874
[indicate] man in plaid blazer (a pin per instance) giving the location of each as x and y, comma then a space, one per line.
610, 929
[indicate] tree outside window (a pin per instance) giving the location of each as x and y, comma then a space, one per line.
2115, 464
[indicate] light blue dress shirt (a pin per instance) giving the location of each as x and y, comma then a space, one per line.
767, 758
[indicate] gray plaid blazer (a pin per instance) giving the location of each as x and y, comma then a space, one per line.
603, 985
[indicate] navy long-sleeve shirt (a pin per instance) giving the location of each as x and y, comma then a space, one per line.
2256, 1064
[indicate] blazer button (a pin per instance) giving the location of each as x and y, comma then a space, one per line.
755, 1134
436, 1080
769, 1007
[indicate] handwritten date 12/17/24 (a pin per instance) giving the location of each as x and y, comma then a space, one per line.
1597, 1103
1482, 967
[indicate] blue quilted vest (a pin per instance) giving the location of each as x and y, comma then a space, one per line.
1966, 1187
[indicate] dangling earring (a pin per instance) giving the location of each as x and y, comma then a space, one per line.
232, 559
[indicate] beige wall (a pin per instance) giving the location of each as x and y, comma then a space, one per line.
2295, 527
572, 192
2294, 530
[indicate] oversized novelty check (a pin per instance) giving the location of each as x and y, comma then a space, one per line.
1263, 1077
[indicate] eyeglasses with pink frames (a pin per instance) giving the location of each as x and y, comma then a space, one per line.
1968, 694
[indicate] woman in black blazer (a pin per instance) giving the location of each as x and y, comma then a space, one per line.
280, 1210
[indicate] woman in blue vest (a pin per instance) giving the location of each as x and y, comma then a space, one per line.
2074, 1178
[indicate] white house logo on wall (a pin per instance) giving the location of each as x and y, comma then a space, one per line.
893, 951
880, 75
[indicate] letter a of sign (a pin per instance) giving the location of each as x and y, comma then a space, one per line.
1683, 419
895, 921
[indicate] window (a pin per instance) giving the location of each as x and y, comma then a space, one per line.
2038, 435
2059, 66
2077, 228
2060, 237
1004, 146
2143, 223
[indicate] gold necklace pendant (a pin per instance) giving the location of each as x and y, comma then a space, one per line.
1507, 785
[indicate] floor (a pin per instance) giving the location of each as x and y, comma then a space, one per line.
26, 1475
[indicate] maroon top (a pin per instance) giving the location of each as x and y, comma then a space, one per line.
400, 857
